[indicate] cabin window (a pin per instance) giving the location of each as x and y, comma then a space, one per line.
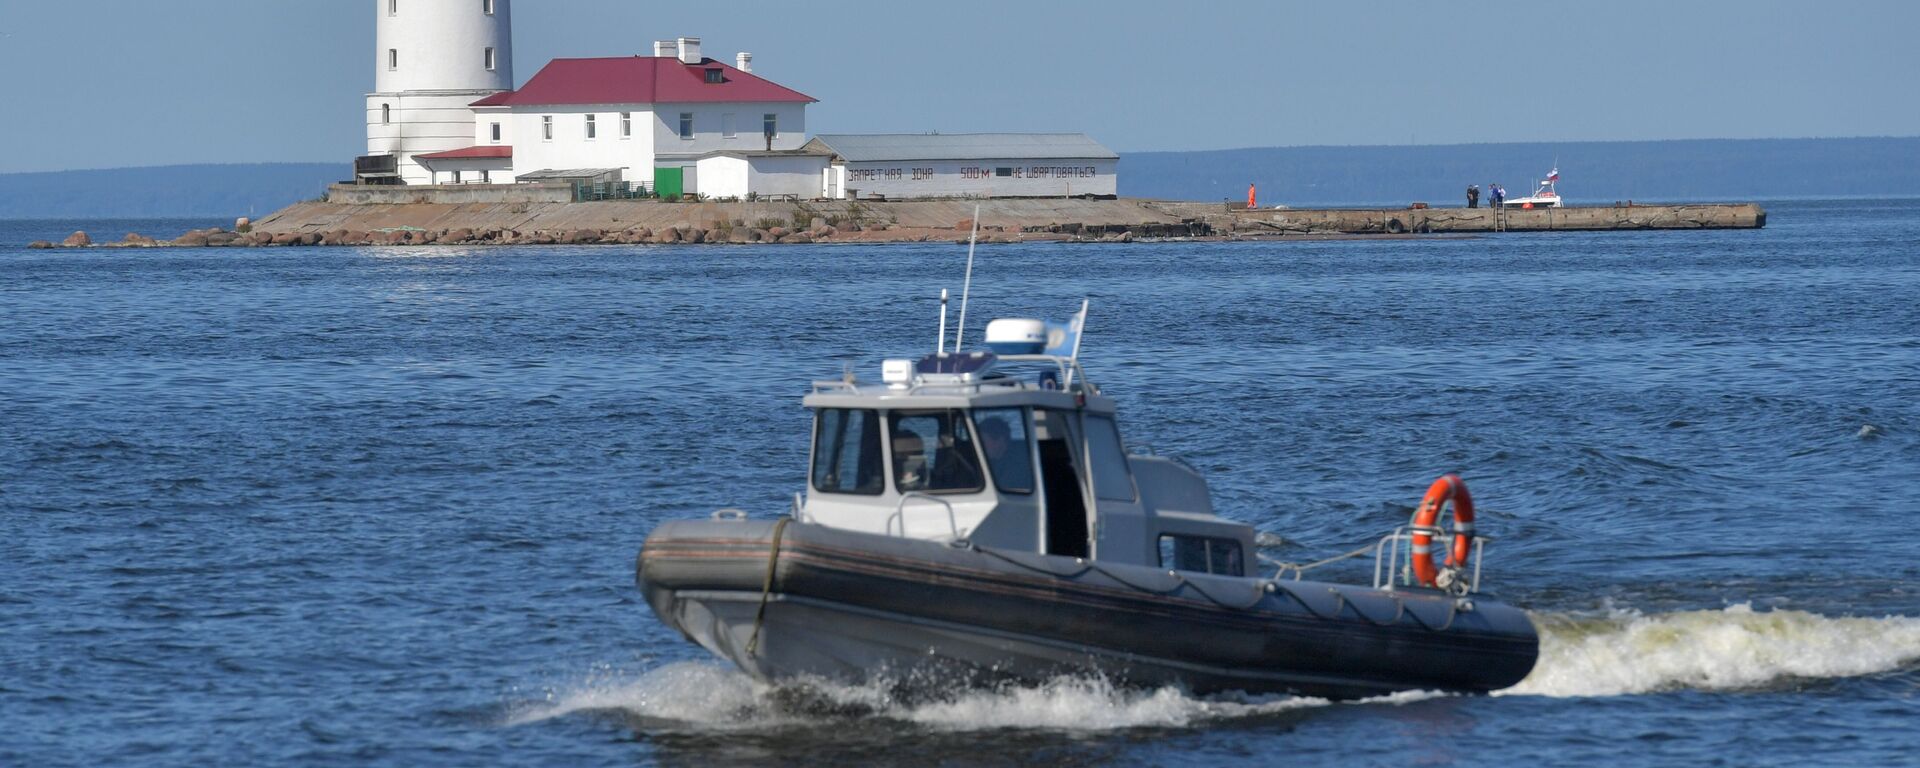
1201, 554
933, 453
1003, 440
846, 452
1112, 476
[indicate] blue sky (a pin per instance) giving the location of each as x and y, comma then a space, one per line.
108, 83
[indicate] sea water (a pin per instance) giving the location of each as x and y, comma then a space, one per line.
380, 506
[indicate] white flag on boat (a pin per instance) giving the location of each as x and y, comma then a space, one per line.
1064, 340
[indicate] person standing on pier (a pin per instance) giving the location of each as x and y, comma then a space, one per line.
1473, 195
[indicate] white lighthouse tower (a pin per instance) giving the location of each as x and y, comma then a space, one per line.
435, 57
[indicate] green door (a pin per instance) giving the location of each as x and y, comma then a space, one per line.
669, 183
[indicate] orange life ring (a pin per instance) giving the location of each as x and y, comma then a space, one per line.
1425, 522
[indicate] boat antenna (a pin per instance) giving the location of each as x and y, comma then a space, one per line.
966, 288
940, 342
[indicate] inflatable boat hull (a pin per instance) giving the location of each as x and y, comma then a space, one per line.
849, 606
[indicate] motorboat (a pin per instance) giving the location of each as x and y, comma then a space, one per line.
1545, 195
977, 516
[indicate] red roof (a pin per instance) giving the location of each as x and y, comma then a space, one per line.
470, 153
640, 80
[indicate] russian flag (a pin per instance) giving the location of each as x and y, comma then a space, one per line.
1553, 175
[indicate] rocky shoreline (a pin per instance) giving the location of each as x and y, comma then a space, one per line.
819, 232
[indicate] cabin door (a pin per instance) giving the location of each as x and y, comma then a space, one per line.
1067, 532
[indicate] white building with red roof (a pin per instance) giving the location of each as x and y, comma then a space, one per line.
444, 111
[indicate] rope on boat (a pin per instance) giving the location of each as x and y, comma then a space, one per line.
1300, 569
766, 590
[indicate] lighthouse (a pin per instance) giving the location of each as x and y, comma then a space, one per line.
434, 58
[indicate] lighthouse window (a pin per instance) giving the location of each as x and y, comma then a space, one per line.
933, 452
393, 7
686, 125
496, 133
626, 125
546, 127
593, 127
487, 6
489, 59
393, 59
386, 114
846, 452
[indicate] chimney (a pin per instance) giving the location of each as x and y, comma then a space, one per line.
743, 61
689, 50
666, 49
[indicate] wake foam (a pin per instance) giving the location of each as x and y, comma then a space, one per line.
1627, 652
708, 696
1620, 652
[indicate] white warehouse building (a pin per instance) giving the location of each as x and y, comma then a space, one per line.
445, 111
906, 166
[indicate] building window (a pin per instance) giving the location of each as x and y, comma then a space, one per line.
726, 126
593, 127
496, 133
486, 6
686, 125
386, 114
715, 77
393, 59
770, 125
489, 59
456, 177
546, 127
626, 125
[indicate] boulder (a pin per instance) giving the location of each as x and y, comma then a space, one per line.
740, 236
822, 233
850, 226
777, 232
40, 245
310, 238
138, 240
696, 235
77, 240
797, 238
191, 240
759, 236
222, 239
285, 238
817, 223
458, 236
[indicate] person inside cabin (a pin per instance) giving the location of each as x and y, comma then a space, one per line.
1473, 195
1005, 450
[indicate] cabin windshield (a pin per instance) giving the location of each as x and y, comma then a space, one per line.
1003, 438
846, 452
933, 452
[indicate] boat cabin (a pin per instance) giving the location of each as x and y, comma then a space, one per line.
1016, 452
